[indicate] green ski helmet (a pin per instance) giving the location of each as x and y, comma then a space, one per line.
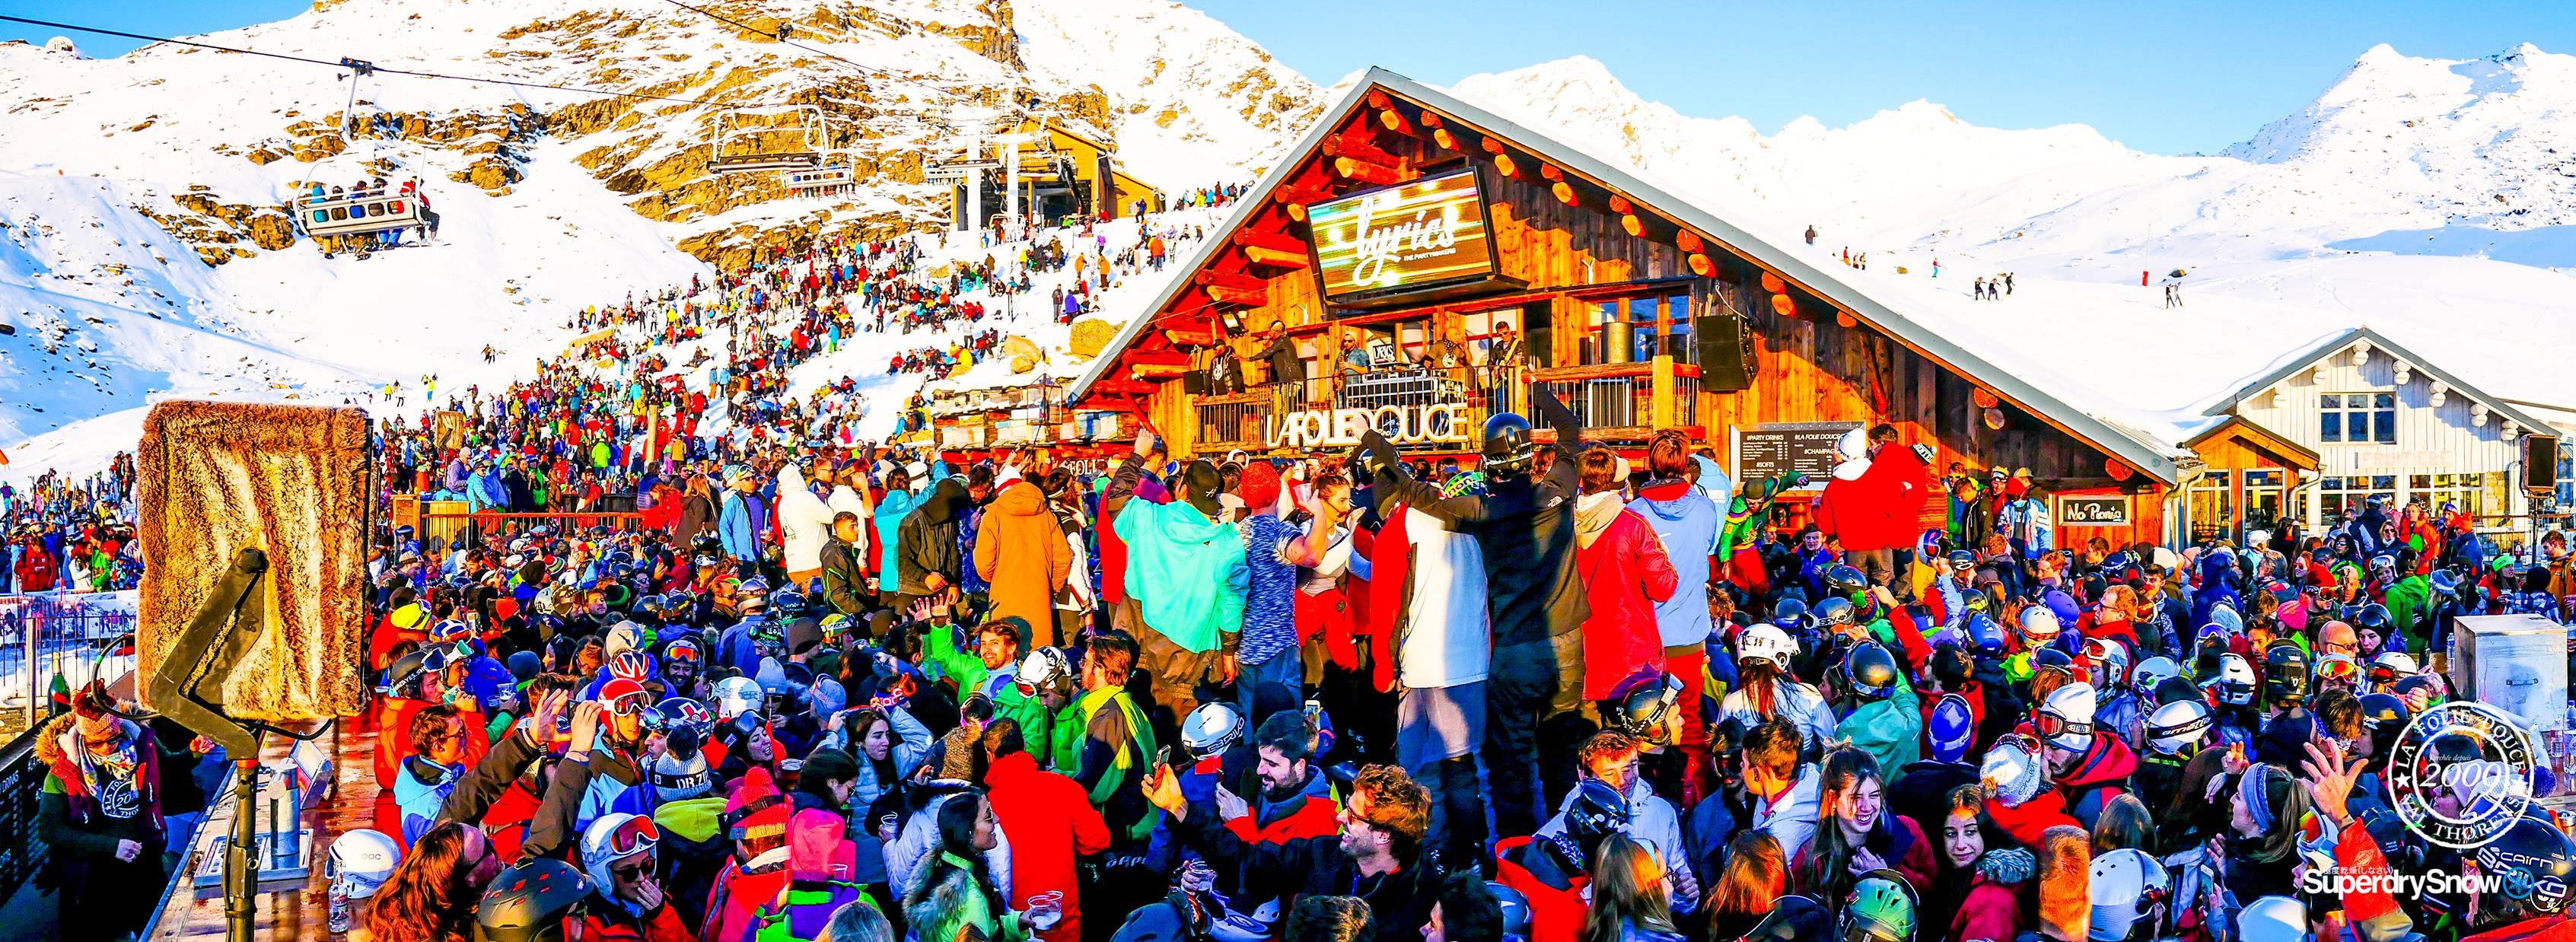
1881, 909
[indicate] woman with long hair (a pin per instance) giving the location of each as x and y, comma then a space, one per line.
1756, 876
955, 894
431, 895
2265, 805
2124, 825
1855, 834
1632, 898
1765, 689
1983, 889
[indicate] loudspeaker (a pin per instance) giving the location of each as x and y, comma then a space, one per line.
2539, 463
1725, 349
292, 482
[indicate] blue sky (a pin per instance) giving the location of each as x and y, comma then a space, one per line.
2180, 77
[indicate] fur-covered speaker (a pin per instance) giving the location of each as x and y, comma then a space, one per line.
293, 482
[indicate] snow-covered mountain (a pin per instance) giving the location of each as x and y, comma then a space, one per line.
143, 249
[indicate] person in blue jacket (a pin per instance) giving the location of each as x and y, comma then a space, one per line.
744, 520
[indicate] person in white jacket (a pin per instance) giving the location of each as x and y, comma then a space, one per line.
1781, 789
1766, 690
804, 522
1611, 758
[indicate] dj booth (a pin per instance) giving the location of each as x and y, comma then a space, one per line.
1408, 386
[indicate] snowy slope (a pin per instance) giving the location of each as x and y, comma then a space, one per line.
117, 176
2429, 199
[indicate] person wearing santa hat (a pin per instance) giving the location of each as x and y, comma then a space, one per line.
100, 813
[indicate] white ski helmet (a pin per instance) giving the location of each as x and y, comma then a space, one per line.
360, 861
736, 696
2039, 623
1041, 668
2120, 884
2152, 673
1766, 643
2178, 726
2066, 717
2235, 680
1212, 728
2272, 919
2391, 666
2109, 659
1854, 445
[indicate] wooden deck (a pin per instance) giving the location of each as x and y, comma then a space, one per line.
290, 912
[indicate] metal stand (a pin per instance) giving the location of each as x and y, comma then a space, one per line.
241, 873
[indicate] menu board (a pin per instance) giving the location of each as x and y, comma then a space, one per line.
1764, 451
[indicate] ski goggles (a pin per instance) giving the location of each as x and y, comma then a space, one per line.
2339, 669
2051, 726
2384, 675
636, 834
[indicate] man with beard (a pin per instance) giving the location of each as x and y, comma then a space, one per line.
1371, 849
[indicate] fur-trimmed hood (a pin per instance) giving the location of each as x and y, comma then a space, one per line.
938, 909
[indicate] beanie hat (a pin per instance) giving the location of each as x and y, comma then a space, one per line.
681, 773
526, 665
757, 811
624, 636
1259, 487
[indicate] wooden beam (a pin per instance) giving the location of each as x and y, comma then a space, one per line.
1157, 371
1492, 146
1263, 255
1139, 359
1565, 193
1620, 205
1356, 169
1292, 194
1701, 266
1688, 241
1224, 295
1377, 98
1503, 164
1430, 119
1200, 337
1230, 280
1633, 225
1388, 119
1277, 241
1113, 387
1548, 172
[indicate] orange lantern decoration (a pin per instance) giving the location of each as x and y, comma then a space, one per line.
2119, 472
1844, 319
1994, 418
1783, 306
1773, 284
1984, 399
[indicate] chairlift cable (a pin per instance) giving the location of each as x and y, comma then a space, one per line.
346, 63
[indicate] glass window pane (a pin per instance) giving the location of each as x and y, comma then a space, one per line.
2384, 401
2384, 482
2356, 426
2332, 429
2387, 431
2330, 401
2420, 481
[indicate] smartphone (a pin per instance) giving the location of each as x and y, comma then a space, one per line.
1163, 757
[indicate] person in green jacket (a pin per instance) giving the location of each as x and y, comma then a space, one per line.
1039, 692
989, 666
956, 895
1886, 717
2407, 600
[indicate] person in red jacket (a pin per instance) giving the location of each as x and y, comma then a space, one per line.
1871, 503
1985, 878
2019, 799
1050, 820
1625, 572
36, 568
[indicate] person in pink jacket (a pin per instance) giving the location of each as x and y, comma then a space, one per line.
1624, 572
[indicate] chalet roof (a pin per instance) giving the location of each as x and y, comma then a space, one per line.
2306, 358
2135, 448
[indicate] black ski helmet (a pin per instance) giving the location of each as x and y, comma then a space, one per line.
1509, 446
2533, 855
2285, 673
2052, 657
1790, 613
1834, 610
528, 903
2373, 616
2424, 682
1597, 811
1847, 583
1871, 672
2384, 715
1793, 919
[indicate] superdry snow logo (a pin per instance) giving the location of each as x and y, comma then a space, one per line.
2460, 774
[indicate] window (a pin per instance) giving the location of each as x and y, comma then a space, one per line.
2357, 418
2263, 499
2213, 506
2337, 495
2566, 472
1623, 330
2468, 493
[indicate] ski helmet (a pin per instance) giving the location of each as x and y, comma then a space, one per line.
1835, 611
1790, 613
1509, 446
1871, 672
2065, 719
1846, 582
1043, 668
2150, 672
612, 837
2125, 883
2531, 854
1881, 909
2390, 666
2177, 728
1647, 705
2384, 715
1516, 911
2234, 681
2373, 617
1766, 643
2012, 771
528, 903
2430, 684
2108, 660
1962, 560
1211, 729
2338, 669
736, 696
685, 713
1793, 919
2039, 624
1984, 635
2224, 615
1951, 728
360, 861
2285, 673
2272, 919
2049, 657
1596, 812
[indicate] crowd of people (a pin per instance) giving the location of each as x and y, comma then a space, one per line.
818, 688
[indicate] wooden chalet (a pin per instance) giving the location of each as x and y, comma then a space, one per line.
1410, 242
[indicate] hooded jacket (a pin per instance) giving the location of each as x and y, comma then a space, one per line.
1287, 848
1876, 510
1525, 528
1186, 571
2032, 819
1992, 908
893, 508
2100, 775
1890, 730
744, 524
1625, 573
927, 542
1020, 549
804, 521
694, 516
1051, 823
1687, 522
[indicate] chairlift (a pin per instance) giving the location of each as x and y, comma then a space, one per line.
359, 216
836, 170
754, 139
